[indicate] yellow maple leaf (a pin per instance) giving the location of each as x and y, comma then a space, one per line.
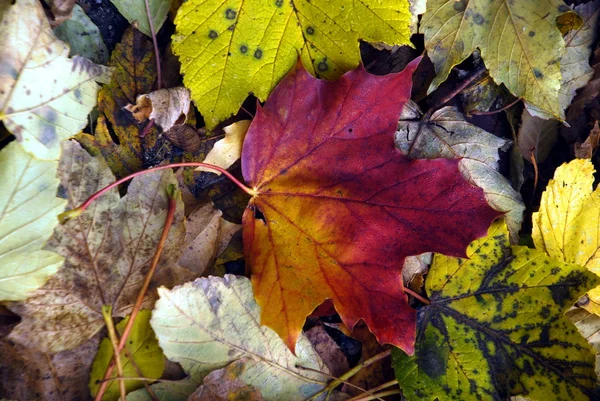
567, 226
229, 49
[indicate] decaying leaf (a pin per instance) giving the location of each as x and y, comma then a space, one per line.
536, 136
566, 225
27, 374
446, 134
42, 112
28, 210
230, 49
586, 150
135, 12
229, 149
107, 250
61, 10
207, 236
166, 391
135, 72
328, 350
142, 346
519, 43
212, 322
166, 107
83, 37
495, 328
332, 203
224, 385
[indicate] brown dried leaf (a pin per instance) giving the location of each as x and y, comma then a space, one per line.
167, 107
107, 250
586, 150
184, 137
224, 385
229, 149
328, 350
61, 10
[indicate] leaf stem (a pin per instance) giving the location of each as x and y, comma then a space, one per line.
172, 195
414, 294
69, 214
112, 335
350, 373
156, 53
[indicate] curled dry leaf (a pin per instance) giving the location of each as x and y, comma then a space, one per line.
207, 236
42, 112
212, 322
586, 150
229, 149
166, 107
446, 134
28, 210
107, 250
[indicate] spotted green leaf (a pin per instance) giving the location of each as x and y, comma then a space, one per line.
230, 48
496, 327
519, 43
45, 97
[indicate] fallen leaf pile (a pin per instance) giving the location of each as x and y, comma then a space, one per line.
316, 200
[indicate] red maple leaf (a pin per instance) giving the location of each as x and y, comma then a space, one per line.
338, 208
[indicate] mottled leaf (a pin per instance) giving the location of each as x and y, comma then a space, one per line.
229, 49
42, 112
143, 347
28, 210
519, 43
588, 325
495, 328
137, 15
134, 75
207, 324
446, 134
338, 208
107, 250
83, 37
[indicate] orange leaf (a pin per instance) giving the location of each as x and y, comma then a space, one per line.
338, 208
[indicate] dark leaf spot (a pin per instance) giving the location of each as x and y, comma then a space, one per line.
258, 54
459, 6
322, 66
538, 74
478, 18
244, 49
230, 13
279, 3
531, 34
310, 30
213, 34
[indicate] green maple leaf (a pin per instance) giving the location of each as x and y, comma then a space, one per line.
495, 328
230, 48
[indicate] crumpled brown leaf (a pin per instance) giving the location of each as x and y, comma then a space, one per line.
586, 150
167, 107
107, 250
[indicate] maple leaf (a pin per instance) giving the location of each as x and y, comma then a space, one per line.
496, 327
338, 208
106, 250
518, 40
230, 49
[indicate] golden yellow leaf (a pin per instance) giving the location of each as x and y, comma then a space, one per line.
567, 226
229, 49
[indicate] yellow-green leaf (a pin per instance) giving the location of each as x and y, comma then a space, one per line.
231, 48
45, 97
519, 43
567, 225
207, 324
28, 210
136, 13
496, 327
142, 346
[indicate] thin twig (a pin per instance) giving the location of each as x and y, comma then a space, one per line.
156, 53
384, 385
487, 113
468, 81
139, 372
535, 167
171, 193
377, 396
336, 378
112, 335
351, 373
414, 294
